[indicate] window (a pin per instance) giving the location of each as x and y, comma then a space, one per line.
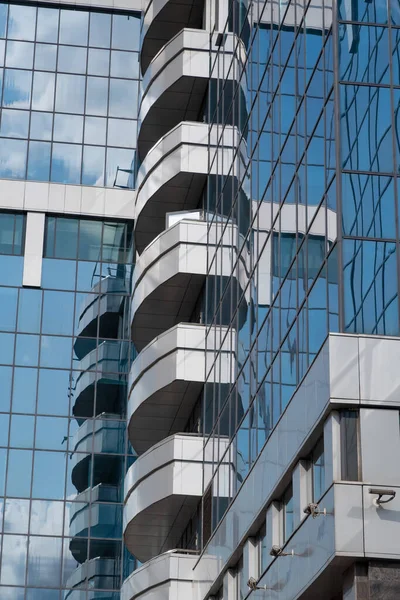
318, 470
349, 445
288, 514
79, 69
12, 234
242, 579
86, 239
207, 515
263, 552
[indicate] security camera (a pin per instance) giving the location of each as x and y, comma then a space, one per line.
278, 551
252, 585
381, 492
314, 510
275, 551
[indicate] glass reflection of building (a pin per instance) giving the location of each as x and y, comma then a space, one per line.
68, 115
292, 304
228, 408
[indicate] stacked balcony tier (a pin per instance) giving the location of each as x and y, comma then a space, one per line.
173, 175
171, 272
163, 19
167, 377
176, 82
162, 489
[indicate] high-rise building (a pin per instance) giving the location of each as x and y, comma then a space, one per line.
199, 324
69, 91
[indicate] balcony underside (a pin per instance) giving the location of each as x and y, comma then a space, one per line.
163, 19
168, 377
162, 490
106, 395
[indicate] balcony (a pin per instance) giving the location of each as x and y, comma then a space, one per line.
174, 173
168, 576
100, 573
163, 19
95, 509
168, 376
101, 308
176, 81
102, 438
171, 273
101, 384
162, 489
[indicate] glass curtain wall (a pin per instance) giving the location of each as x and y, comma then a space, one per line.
65, 353
68, 92
283, 201
369, 97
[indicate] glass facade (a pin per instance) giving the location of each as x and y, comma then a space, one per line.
283, 202
368, 105
64, 357
69, 93
315, 202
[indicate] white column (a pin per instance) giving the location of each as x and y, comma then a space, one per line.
33, 255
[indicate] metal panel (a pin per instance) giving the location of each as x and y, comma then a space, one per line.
380, 445
34, 241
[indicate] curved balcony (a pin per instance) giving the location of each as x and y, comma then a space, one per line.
162, 490
171, 273
173, 174
100, 386
99, 573
98, 437
168, 576
176, 81
101, 307
167, 378
162, 20
93, 509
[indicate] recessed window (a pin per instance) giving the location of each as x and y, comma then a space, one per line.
288, 513
12, 233
318, 470
349, 424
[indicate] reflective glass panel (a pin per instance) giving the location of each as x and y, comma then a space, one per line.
13, 158
66, 163
125, 31
45, 57
47, 25
95, 130
100, 30
124, 64
17, 88
29, 310
43, 91
13, 563
122, 133
39, 161
123, 98
71, 59
14, 123
96, 95
19, 54
70, 93
8, 312
21, 22
93, 165
41, 125
98, 62
74, 27
68, 128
